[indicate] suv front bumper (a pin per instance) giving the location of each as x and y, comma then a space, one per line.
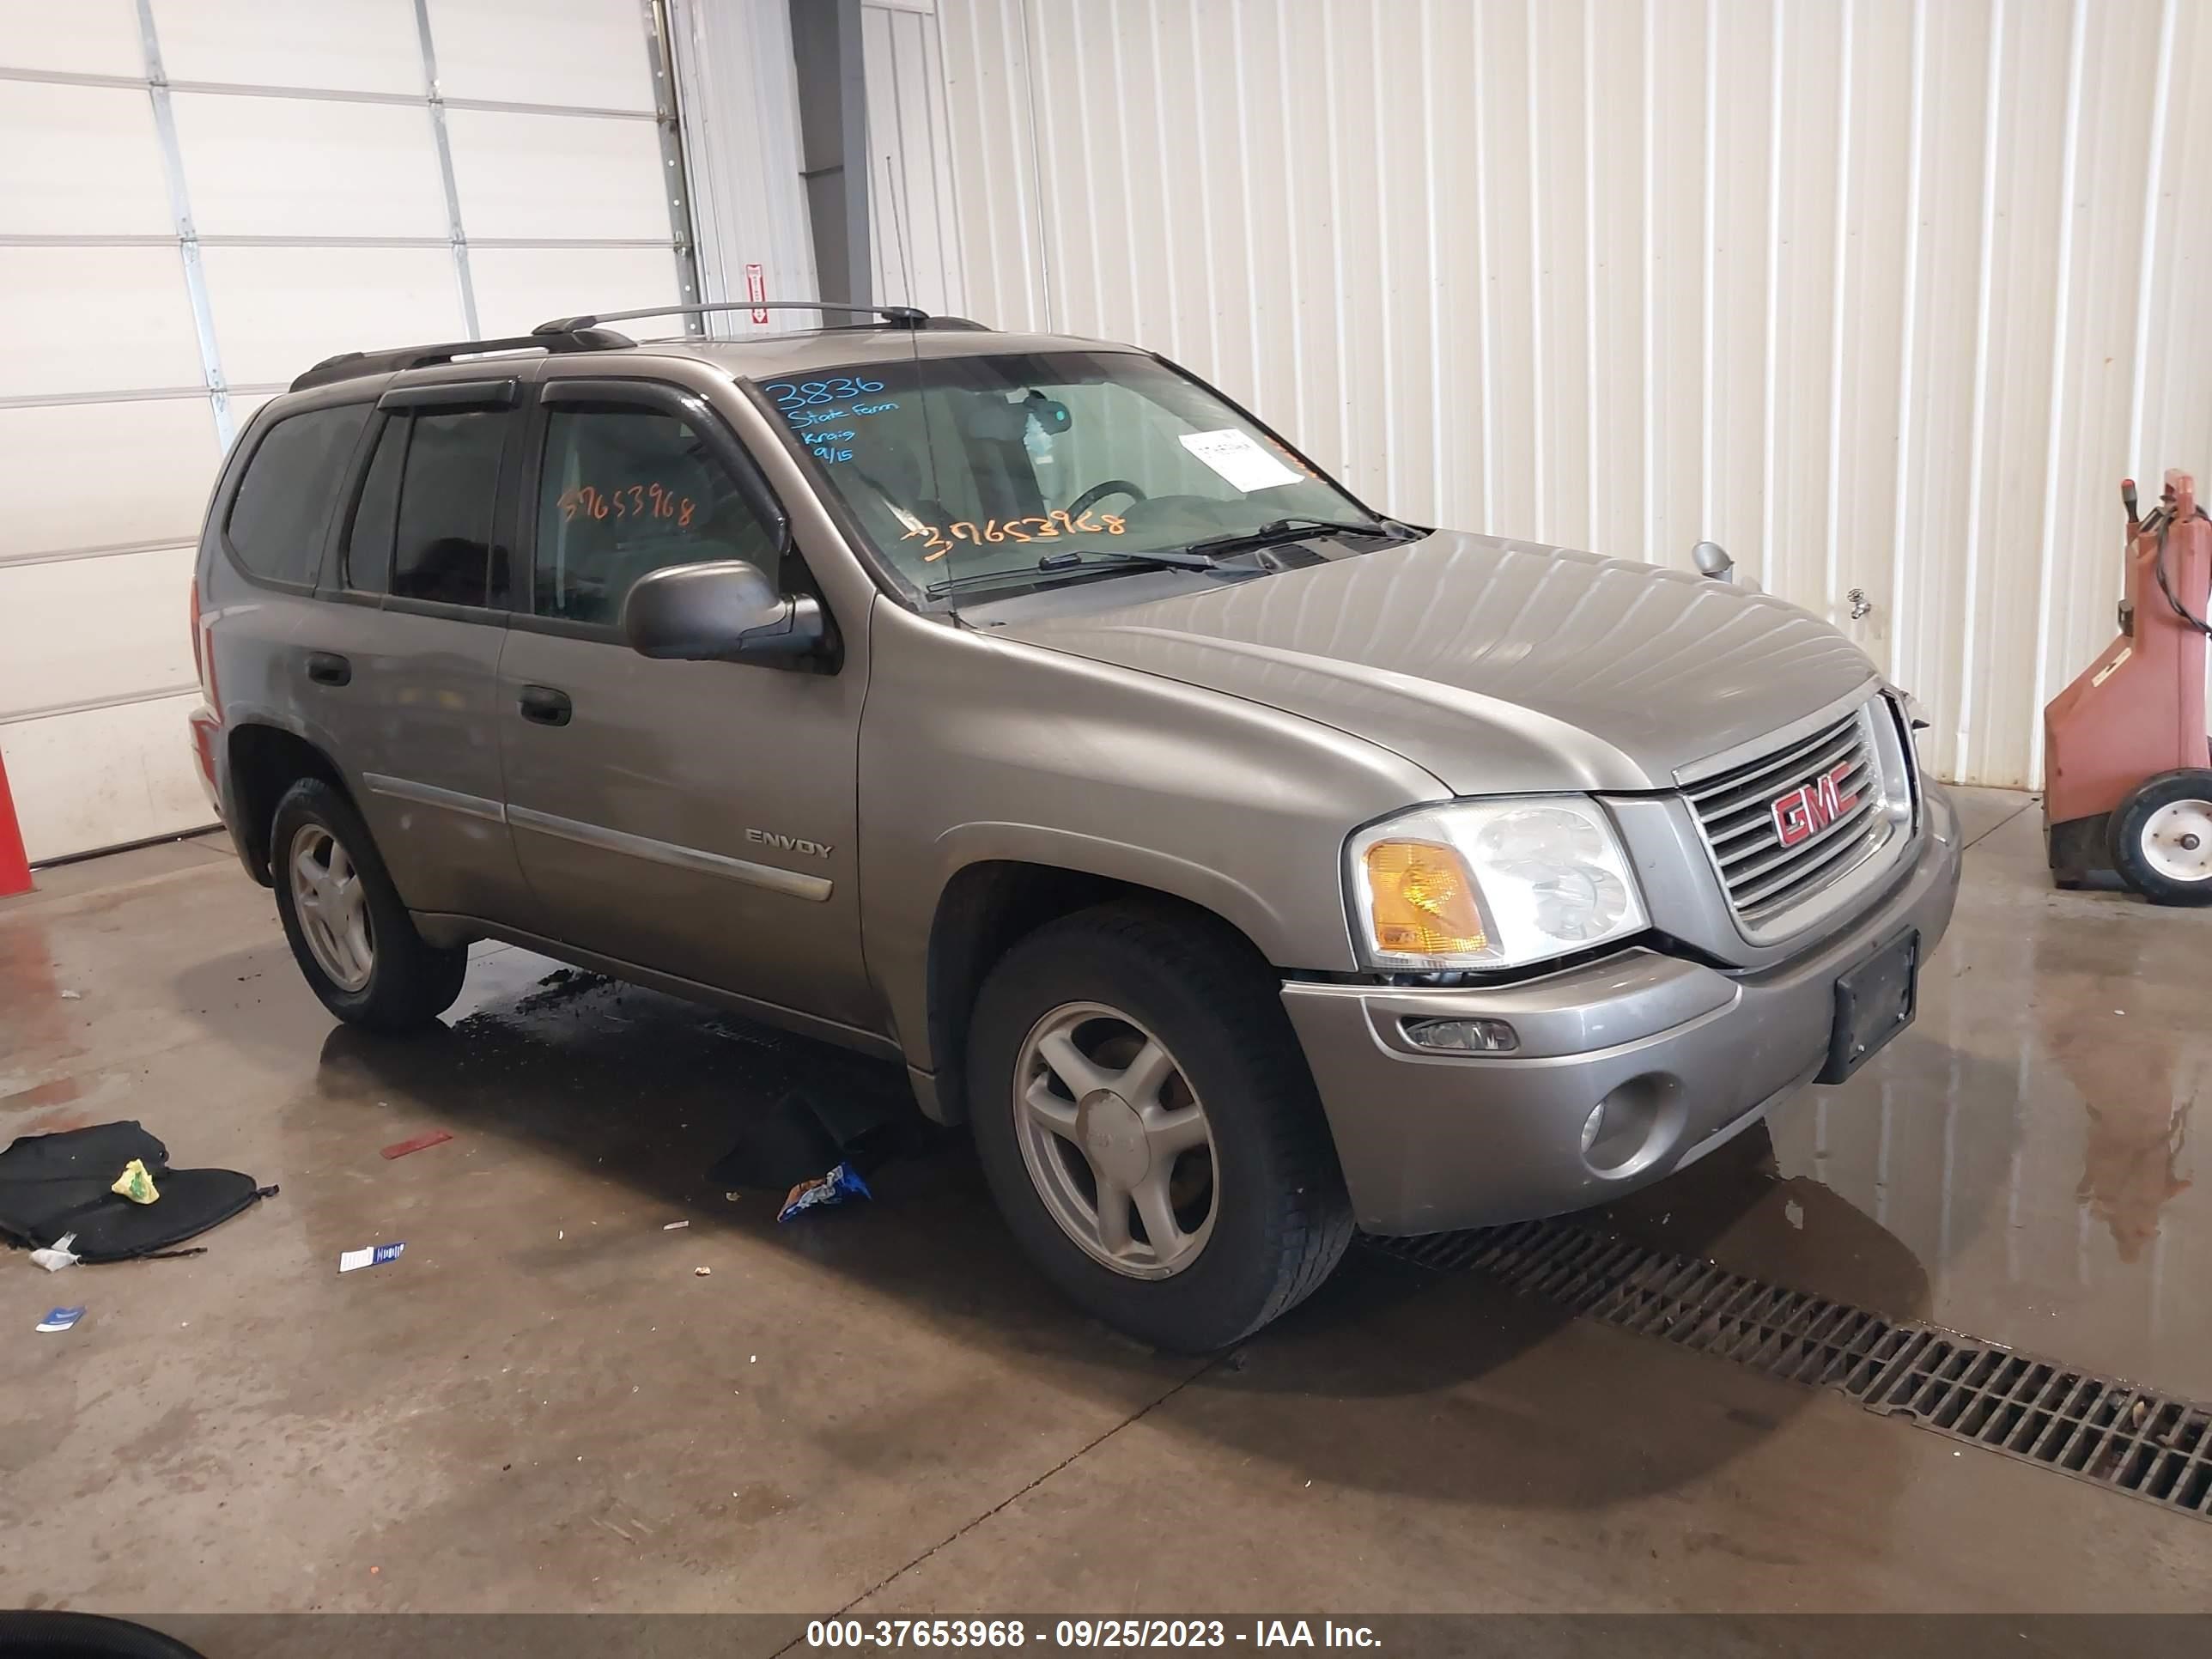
1684, 1056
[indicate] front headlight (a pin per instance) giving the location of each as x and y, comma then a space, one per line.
1489, 883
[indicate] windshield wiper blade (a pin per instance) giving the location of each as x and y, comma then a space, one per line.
1180, 559
1059, 564
1289, 530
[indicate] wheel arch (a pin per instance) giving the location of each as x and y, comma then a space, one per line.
262, 760
988, 904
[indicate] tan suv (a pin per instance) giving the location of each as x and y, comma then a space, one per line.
1242, 864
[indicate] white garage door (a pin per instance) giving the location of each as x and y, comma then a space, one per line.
198, 198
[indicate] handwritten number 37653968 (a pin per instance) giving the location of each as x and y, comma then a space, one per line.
1045, 527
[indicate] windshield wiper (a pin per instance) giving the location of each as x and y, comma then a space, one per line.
1063, 563
1289, 530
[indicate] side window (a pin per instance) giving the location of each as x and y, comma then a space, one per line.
282, 504
448, 486
624, 491
366, 558
422, 528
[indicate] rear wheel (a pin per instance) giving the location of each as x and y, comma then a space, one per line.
350, 934
2161, 837
1149, 1128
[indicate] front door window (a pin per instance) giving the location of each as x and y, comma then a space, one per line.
625, 491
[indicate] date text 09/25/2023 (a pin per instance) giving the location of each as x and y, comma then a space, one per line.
1088, 1633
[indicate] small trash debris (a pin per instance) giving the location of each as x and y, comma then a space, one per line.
72, 996
701, 1272
60, 1319
135, 1184
674, 1226
56, 1255
731, 1198
1794, 1213
374, 1255
840, 1186
416, 1144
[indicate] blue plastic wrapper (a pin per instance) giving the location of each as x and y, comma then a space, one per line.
840, 1186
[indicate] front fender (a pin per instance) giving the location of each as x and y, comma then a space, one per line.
979, 749
1209, 888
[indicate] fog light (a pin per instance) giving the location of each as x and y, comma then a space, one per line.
1462, 1036
1635, 1122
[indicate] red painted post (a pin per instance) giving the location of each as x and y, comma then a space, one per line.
15, 868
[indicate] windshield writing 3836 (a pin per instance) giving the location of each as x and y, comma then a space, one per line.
821, 411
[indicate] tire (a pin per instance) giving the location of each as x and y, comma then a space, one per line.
380, 976
1260, 1216
2161, 837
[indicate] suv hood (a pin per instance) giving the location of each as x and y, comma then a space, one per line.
1499, 666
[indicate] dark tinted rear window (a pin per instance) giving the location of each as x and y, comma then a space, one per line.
446, 497
368, 560
283, 502
421, 527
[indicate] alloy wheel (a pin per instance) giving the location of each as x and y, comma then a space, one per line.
1116, 1140
333, 907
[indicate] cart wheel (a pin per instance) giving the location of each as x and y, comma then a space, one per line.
2161, 837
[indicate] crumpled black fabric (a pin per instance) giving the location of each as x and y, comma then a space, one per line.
51, 1185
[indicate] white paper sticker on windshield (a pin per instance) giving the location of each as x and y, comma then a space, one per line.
1238, 458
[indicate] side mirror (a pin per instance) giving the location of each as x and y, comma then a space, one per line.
722, 611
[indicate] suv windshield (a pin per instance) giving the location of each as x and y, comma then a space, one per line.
1043, 464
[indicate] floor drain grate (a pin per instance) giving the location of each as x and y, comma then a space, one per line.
1694, 1304
2098, 1429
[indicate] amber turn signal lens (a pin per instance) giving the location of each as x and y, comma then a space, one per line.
1424, 900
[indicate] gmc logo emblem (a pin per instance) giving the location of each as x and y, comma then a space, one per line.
1812, 807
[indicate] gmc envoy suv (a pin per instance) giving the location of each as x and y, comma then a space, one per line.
1243, 866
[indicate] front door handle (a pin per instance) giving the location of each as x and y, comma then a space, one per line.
328, 668
546, 706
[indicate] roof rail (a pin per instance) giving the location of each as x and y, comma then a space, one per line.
904, 315
352, 365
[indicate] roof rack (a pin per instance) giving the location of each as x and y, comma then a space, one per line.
903, 316
351, 365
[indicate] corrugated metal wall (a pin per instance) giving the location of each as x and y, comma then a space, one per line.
1879, 294
914, 233
738, 96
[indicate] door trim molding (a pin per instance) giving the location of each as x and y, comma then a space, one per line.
428, 795
791, 882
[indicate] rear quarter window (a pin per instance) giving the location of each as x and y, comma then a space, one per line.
283, 502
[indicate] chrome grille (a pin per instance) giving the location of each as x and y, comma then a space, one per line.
1764, 878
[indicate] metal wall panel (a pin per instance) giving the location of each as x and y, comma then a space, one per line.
79, 161
914, 237
198, 199
739, 91
1884, 295
352, 45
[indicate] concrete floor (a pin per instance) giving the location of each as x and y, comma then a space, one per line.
542, 1406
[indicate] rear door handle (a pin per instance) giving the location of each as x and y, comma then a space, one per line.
328, 668
546, 706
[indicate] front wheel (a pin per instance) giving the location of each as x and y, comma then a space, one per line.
2161, 837
352, 936
1149, 1128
